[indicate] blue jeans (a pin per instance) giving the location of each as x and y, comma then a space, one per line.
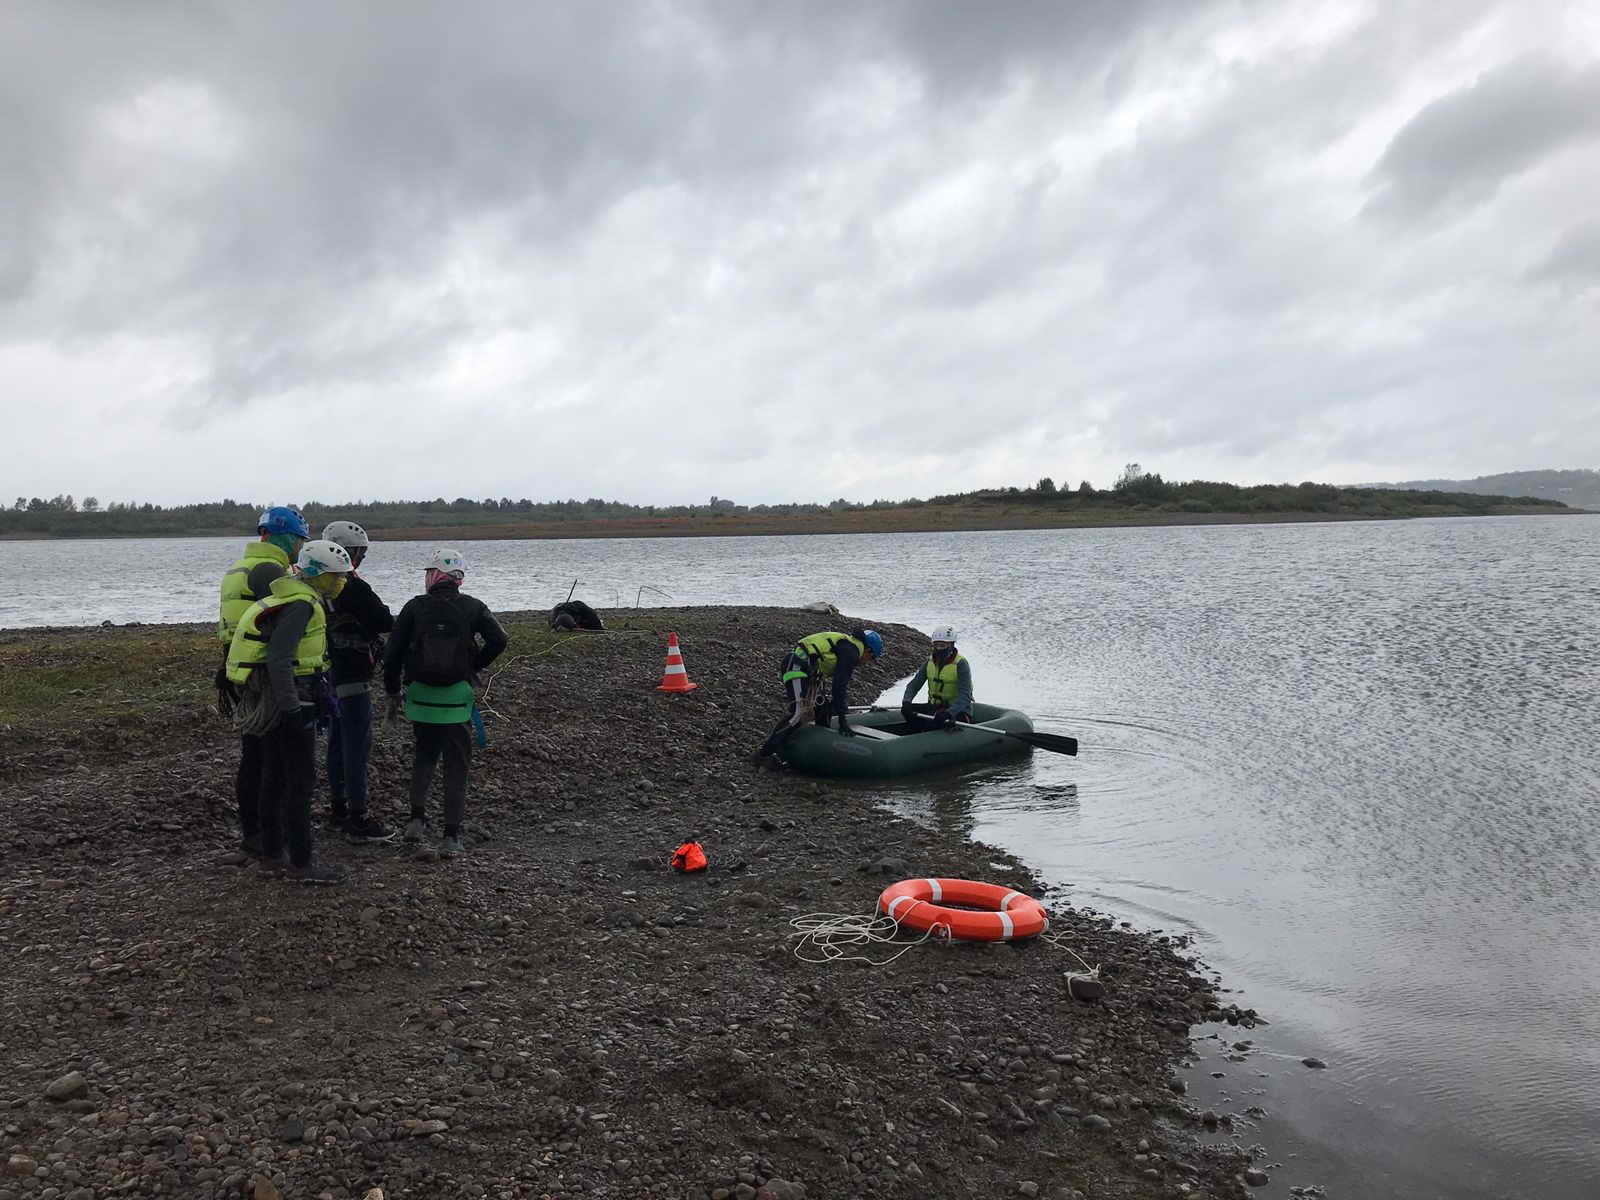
349, 741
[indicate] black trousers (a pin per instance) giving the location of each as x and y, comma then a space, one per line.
288, 779
453, 743
247, 786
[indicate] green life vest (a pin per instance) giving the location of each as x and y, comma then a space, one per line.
431, 705
248, 651
236, 593
823, 647
942, 681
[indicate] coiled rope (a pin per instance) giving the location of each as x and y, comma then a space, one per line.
835, 937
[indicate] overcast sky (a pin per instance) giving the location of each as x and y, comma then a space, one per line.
791, 250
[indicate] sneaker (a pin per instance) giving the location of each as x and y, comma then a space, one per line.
416, 829
314, 872
366, 828
450, 847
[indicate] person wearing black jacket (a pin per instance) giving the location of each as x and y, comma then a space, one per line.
355, 645
442, 639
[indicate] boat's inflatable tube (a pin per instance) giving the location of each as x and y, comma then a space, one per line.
1007, 915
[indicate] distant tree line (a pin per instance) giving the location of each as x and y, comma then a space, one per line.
1135, 488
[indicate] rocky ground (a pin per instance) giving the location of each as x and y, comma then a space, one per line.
555, 1013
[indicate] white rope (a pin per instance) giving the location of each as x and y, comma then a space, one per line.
1059, 941
829, 937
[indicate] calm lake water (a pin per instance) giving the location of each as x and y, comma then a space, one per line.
1355, 761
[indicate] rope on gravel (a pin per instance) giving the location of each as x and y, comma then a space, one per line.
829, 937
483, 700
1059, 941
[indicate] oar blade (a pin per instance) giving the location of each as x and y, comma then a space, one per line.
1049, 741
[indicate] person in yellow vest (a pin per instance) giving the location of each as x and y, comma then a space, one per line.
819, 656
278, 660
949, 679
281, 532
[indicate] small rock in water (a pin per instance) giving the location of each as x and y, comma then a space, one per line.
1315, 1063
1256, 1177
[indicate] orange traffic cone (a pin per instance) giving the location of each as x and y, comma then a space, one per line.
675, 678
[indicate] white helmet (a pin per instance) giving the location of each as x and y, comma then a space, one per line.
446, 559
323, 557
944, 633
347, 533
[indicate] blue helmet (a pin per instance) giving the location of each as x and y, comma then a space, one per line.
874, 641
283, 519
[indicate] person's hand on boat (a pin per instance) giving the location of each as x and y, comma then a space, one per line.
906, 713
943, 720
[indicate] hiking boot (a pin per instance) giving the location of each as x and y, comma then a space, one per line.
251, 846
313, 873
366, 828
450, 847
273, 864
416, 829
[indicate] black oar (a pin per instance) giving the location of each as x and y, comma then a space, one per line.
1044, 741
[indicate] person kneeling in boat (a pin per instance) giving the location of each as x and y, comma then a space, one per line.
949, 679
820, 656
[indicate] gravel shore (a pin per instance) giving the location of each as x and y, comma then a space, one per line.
555, 1013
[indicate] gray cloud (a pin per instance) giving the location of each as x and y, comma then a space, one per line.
1575, 258
1461, 148
508, 249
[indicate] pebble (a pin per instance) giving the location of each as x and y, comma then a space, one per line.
1027, 1188
1095, 1121
20, 1165
68, 1087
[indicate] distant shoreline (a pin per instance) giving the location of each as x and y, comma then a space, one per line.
930, 520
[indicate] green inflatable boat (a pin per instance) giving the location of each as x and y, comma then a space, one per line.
885, 747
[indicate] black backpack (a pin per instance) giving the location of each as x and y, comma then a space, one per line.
442, 648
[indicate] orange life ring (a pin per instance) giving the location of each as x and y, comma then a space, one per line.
1007, 914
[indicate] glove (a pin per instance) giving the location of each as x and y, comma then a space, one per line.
906, 713
844, 727
942, 719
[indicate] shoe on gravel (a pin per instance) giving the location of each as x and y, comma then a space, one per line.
314, 873
416, 829
273, 864
251, 846
365, 828
336, 817
450, 847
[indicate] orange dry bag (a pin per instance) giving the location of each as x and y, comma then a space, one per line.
690, 856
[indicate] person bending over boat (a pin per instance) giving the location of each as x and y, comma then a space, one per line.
949, 679
831, 656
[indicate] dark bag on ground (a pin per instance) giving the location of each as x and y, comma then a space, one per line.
575, 614
442, 648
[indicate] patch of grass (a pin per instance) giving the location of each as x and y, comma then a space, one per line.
54, 677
